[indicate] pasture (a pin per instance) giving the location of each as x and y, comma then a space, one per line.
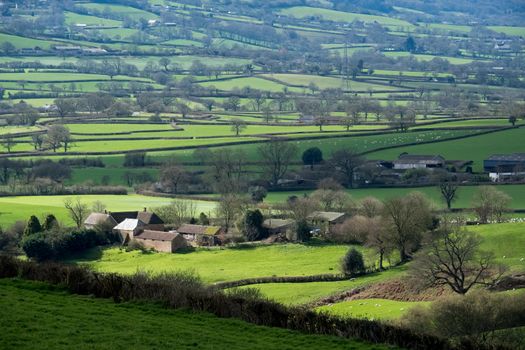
42, 311
475, 148
17, 208
374, 309
464, 195
339, 16
220, 264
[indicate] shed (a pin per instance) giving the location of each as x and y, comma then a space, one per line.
326, 220
161, 241
200, 234
277, 226
412, 161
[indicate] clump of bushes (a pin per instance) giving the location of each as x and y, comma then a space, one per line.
353, 262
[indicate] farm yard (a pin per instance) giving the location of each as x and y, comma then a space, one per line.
274, 176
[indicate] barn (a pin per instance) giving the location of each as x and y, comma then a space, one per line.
167, 242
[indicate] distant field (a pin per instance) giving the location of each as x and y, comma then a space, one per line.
21, 208
22, 42
339, 16
303, 293
122, 10
464, 194
40, 316
252, 82
506, 241
57, 77
476, 148
215, 265
73, 18
375, 309
424, 58
518, 31
326, 82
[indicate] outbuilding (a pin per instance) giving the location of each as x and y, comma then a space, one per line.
167, 242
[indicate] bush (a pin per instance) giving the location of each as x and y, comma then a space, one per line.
36, 246
253, 228
353, 262
312, 156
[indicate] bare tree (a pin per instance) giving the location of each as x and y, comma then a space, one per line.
345, 161
228, 173
8, 142
177, 212
406, 219
453, 258
238, 126
173, 177
370, 207
490, 204
230, 207
277, 156
77, 210
377, 238
448, 190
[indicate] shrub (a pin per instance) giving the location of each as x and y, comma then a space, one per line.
36, 246
353, 262
50, 223
253, 228
136, 245
312, 156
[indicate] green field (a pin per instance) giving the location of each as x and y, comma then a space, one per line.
424, 58
73, 18
476, 148
21, 208
306, 12
375, 309
22, 42
121, 10
518, 31
464, 195
304, 293
60, 77
506, 241
40, 316
252, 82
327, 82
216, 265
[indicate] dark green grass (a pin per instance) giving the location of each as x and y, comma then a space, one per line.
39, 316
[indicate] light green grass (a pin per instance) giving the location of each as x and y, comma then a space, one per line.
252, 82
40, 316
517, 31
304, 293
59, 77
326, 82
22, 207
339, 16
76, 18
425, 58
215, 265
94, 128
506, 241
121, 10
374, 309
464, 195
476, 148
21, 42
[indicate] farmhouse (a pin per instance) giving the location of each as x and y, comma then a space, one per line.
277, 226
325, 221
411, 161
150, 220
99, 219
128, 229
167, 242
501, 166
200, 234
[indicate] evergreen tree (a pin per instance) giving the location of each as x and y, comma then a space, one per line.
253, 228
33, 226
49, 223
353, 262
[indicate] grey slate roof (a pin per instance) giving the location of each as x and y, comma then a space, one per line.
325, 215
99, 218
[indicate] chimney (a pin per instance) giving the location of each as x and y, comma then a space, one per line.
145, 209
105, 211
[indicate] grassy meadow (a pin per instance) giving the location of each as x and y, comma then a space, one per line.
34, 315
218, 265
